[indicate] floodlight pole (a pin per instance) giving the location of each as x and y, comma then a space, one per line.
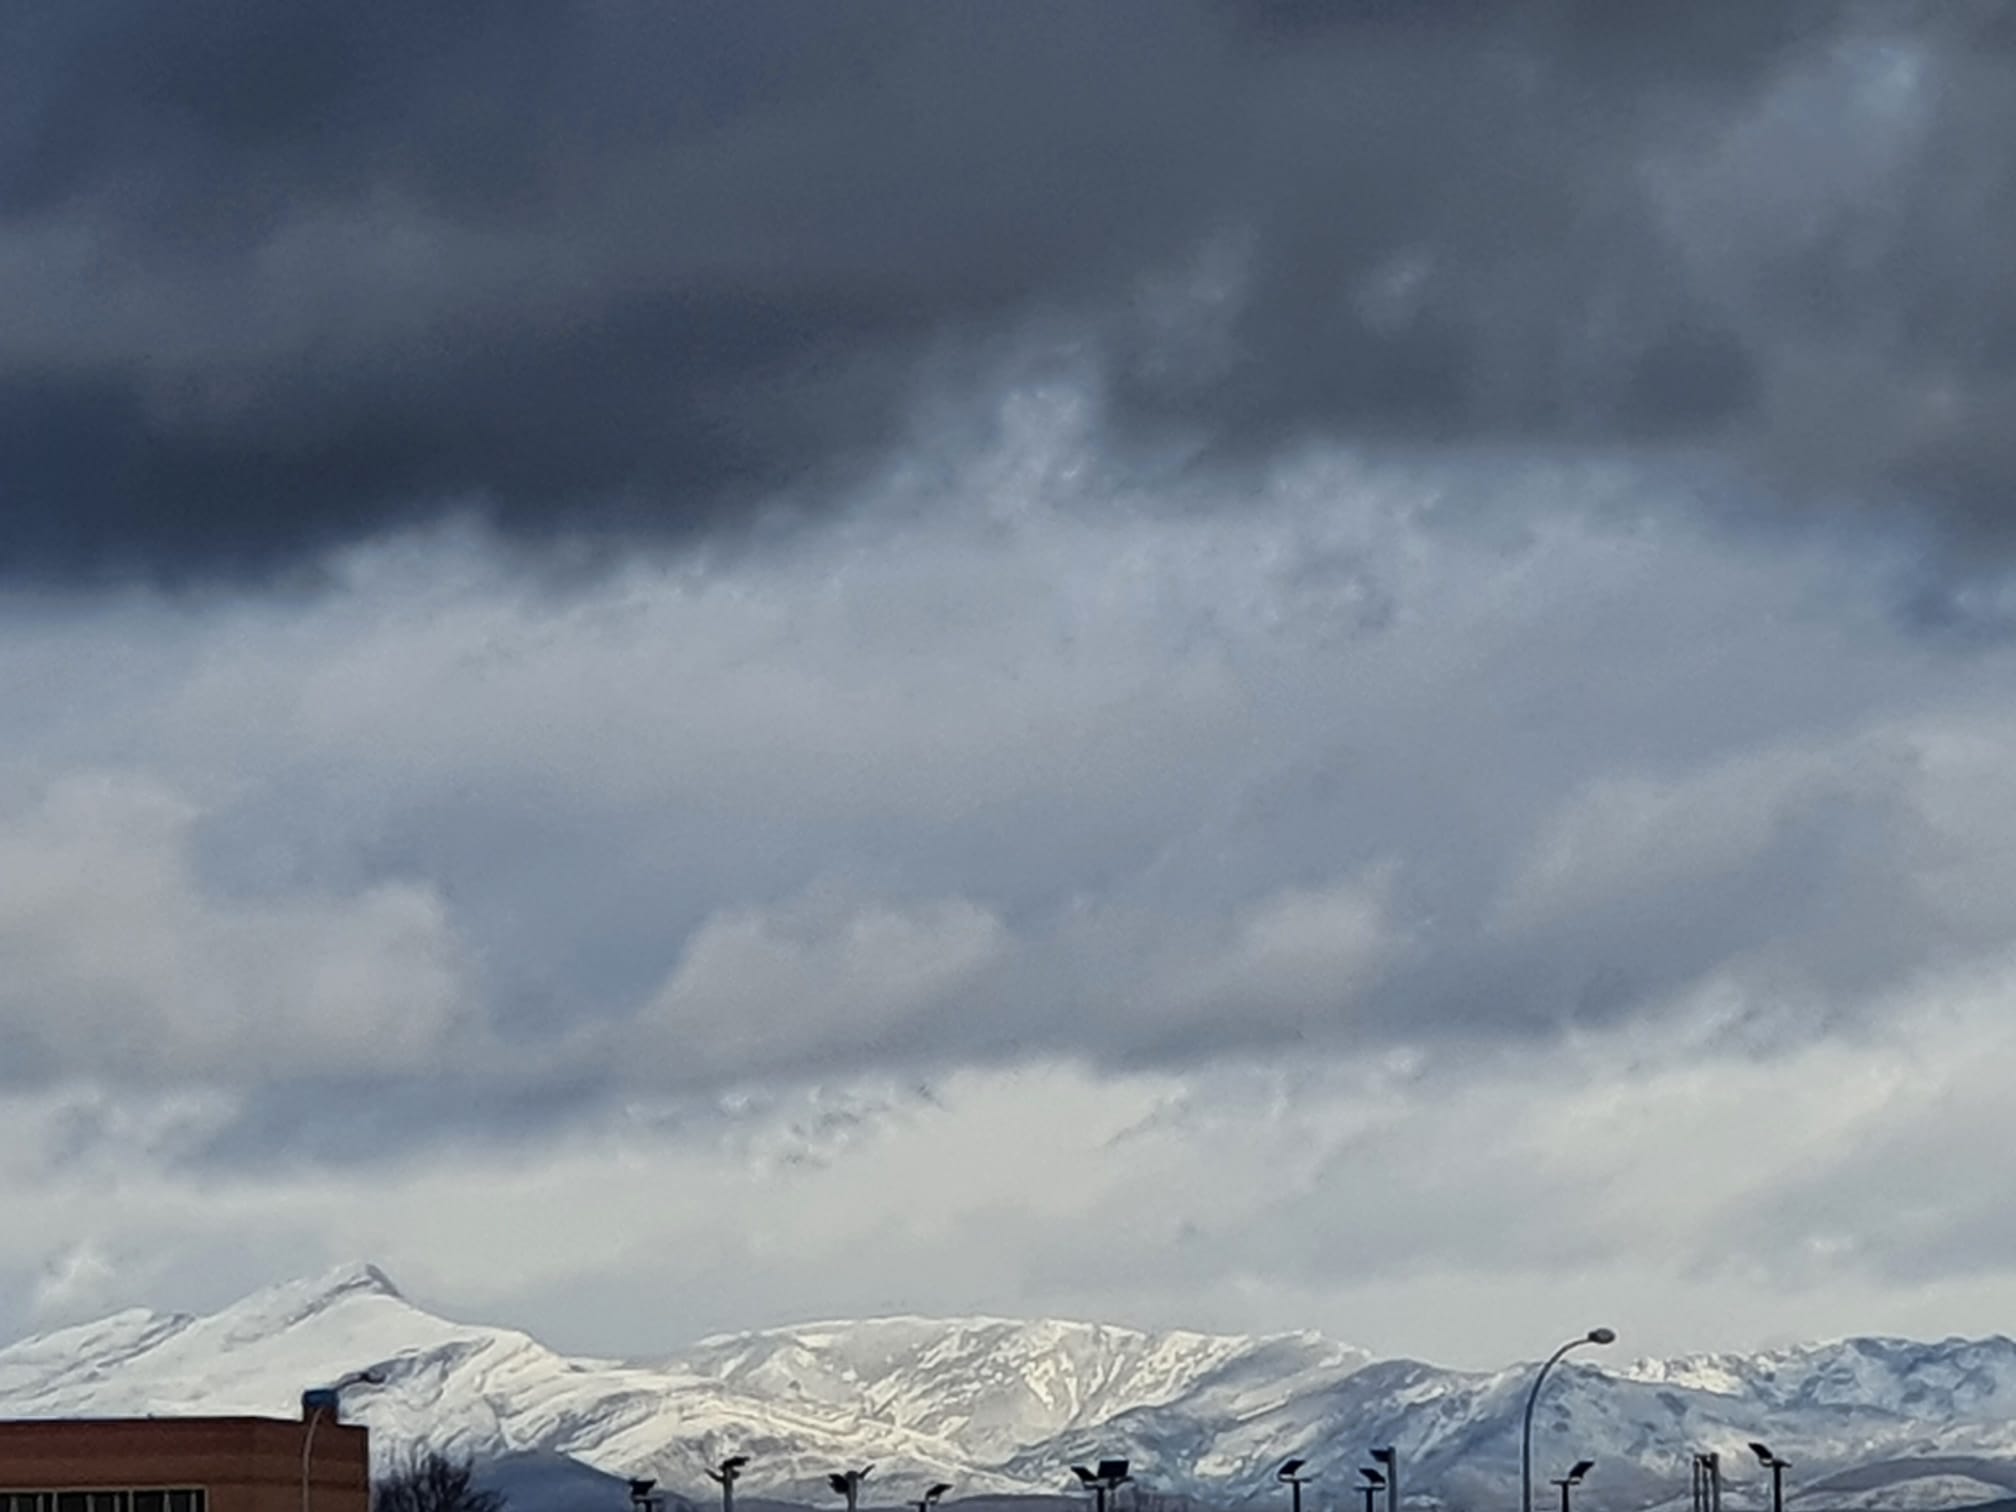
1390, 1458
1777, 1467
1291, 1473
1594, 1336
725, 1475
1708, 1482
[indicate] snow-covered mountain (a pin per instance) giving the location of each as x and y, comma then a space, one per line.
1001, 1407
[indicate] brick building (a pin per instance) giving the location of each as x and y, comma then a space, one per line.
226, 1464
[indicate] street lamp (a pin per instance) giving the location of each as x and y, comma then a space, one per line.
1291, 1474
1374, 1481
327, 1399
725, 1475
930, 1498
1108, 1478
1573, 1479
641, 1499
1388, 1459
848, 1484
1708, 1482
1777, 1467
1594, 1336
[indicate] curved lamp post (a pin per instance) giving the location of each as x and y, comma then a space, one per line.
1594, 1336
329, 1399
1375, 1482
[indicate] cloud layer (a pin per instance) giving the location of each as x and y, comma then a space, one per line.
623, 272
930, 626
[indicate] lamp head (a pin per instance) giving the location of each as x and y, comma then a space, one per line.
1290, 1470
1602, 1336
1372, 1477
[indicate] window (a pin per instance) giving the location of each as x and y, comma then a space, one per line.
176, 1499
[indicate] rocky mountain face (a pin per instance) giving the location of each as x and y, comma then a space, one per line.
1002, 1408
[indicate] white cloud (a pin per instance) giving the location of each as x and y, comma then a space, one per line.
122, 962
758, 989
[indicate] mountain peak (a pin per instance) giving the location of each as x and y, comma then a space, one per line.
295, 1302
357, 1276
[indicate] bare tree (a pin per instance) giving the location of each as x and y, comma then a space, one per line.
425, 1480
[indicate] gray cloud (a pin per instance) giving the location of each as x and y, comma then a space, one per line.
1069, 775
624, 272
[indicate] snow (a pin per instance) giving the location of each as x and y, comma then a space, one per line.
999, 1405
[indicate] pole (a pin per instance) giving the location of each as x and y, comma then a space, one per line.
1526, 1433
1777, 1484
1296, 1487
1564, 1496
307, 1446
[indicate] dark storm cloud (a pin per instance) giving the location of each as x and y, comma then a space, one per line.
280, 279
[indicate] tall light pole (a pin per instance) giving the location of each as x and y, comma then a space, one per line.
1375, 1482
848, 1484
1708, 1482
641, 1499
1103, 1482
1291, 1475
725, 1475
1777, 1467
1594, 1336
930, 1498
1388, 1459
327, 1399
1572, 1479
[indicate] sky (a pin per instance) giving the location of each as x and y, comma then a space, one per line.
1205, 663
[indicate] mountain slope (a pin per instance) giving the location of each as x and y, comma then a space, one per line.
1002, 1407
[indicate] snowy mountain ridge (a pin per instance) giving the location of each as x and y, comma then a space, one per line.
1004, 1406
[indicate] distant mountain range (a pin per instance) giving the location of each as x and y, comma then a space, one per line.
1002, 1408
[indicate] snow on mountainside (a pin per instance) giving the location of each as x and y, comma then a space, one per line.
1003, 1407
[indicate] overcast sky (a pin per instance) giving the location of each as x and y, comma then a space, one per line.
1243, 665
